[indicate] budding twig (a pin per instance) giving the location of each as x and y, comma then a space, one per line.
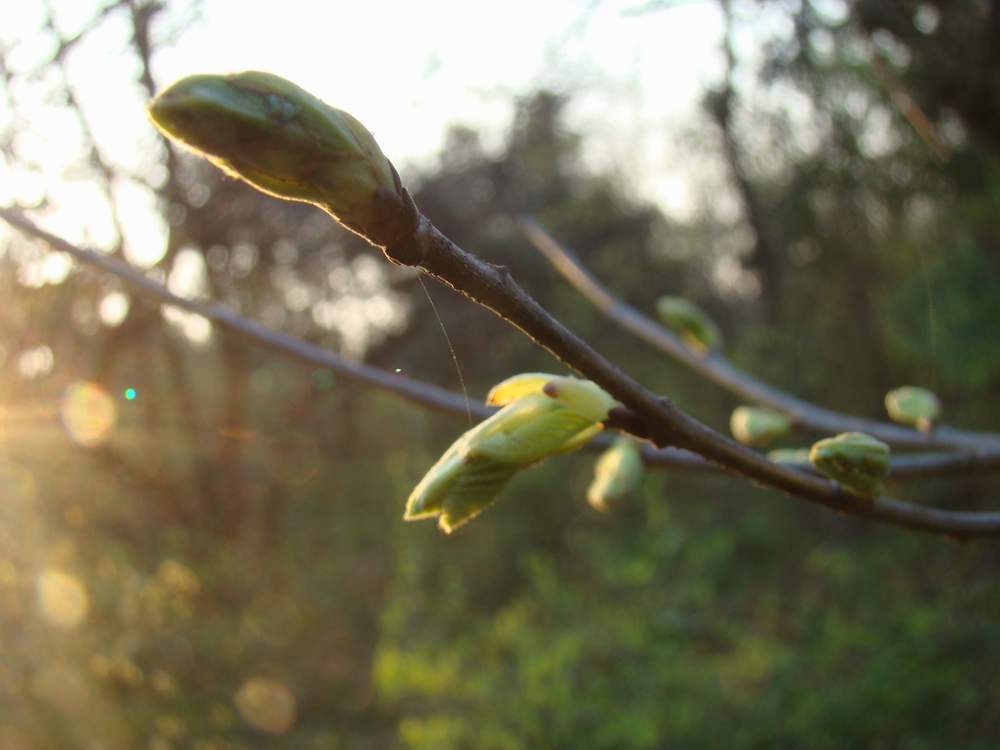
954, 523
719, 370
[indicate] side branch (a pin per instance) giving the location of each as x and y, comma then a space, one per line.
493, 287
666, 424
719, 370
425, 394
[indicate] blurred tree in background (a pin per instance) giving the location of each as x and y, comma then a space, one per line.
222, 563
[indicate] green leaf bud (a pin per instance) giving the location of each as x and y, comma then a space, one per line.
286, 142
517, 386
584, 397
544, 415
617, 472
531, 429
858, 461
755, 425
917, 407
689, 322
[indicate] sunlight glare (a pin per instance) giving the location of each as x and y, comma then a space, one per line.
35, 362
113, 308
143, 225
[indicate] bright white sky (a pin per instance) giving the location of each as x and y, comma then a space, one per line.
408, 70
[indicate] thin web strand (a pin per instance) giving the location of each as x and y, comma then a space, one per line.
451, 349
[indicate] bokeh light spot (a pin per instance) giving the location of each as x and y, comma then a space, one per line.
88, 413
178, 577
62, 599
266, 705
130, 394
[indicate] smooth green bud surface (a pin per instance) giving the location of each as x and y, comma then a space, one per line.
284, 141
517, 386
917, 407
617, 472
537, 427
755, 425
544, 415
858, 461
689, 322
584, 397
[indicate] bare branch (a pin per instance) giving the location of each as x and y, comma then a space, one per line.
494, 288
425, 394
719, 370
97, 160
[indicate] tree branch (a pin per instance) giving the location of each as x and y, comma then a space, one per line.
493, 287
719, 370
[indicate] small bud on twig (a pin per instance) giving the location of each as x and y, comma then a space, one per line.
689, 322
917, 407
858, 461
617, 473
756, 425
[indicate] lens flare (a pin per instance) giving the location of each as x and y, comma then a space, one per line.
88, 414
62, 599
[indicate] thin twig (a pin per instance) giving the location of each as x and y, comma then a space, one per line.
718, 369
426, 394
493, 287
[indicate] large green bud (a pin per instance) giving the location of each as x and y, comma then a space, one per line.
755, 425
544, 415
689, 322
286, 142
617, 473
917, 407
858, 461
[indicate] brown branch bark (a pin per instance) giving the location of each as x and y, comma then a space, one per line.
719, 370
494, 287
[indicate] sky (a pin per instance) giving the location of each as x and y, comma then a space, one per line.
407, 70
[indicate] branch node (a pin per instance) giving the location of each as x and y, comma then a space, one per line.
406, 247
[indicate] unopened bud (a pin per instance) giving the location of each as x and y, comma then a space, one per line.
585, 397
689, 322
917, 407
517, 386
617, 473
544, 415
755, 425
857, 461
284, 141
